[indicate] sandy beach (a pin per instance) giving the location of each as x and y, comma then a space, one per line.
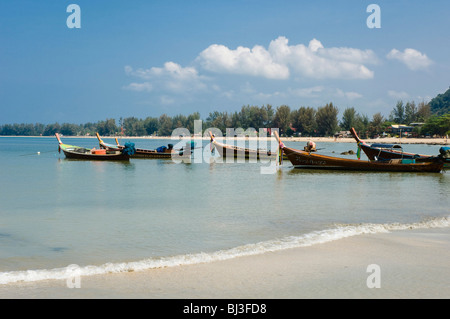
385, 140
411, 264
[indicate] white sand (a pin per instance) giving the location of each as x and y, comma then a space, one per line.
386, 140
413, 264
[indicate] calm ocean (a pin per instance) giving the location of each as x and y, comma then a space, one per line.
147, 213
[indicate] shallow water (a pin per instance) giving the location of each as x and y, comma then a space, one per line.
147, 213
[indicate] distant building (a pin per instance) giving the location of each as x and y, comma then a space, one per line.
343, 134
416, 124
402, 129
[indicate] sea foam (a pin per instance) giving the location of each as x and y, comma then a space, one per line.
317, 237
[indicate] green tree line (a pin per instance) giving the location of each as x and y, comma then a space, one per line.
303, 121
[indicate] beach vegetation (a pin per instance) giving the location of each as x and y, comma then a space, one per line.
440, 104
304, 121
327, 120
348, 118
282, 120
437, 125
428, 118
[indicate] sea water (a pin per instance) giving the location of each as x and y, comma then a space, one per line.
149, 213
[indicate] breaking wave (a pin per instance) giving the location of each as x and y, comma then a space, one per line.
313, 238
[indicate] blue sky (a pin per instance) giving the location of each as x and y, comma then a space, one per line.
145, 58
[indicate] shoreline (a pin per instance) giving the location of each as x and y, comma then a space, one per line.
385, 140
412, 264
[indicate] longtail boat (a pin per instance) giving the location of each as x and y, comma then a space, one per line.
226, 150
395, 151
77, 152
162, 152
302, 159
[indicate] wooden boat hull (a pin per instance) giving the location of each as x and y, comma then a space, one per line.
152, 154
301, 159
374, 153
97, 157
140, 152
227, 151
379, 153
245, 153
81, 153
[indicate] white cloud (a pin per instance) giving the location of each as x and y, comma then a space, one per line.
353, 95
349, 95
282, 59
314, 44
307, 92
278, 61
165, 100
261, 96
424, 98
398, 94
352, 55
247, 88
256, 61
318, 91
172, 77
316, 61
413, 59
230, 94
140, 87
